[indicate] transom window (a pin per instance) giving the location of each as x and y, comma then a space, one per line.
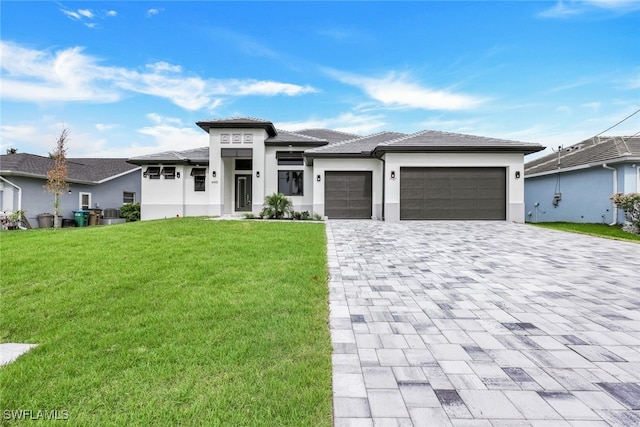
289, 158
290, 183
244, 164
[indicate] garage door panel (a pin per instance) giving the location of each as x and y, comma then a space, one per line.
348, 194
453, 193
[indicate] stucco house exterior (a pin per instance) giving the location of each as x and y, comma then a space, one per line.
386, 176
93, 183
575, 184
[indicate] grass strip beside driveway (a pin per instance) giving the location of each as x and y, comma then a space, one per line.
600, 230
173, 322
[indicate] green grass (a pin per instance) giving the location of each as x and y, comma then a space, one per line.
172, 322
601, 230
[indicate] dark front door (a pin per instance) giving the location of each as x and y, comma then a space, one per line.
243, 193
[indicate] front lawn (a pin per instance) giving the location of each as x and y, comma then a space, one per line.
600, 230
174, 322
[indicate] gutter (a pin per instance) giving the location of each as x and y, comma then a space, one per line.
19, 191
615, 190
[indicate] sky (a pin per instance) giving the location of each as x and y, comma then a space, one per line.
131, 78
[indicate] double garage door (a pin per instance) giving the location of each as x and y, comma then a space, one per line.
453, 193
464, 193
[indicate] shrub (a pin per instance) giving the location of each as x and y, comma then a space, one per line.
630, 204
130, 211
277, 206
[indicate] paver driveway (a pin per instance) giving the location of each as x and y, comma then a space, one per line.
482, 324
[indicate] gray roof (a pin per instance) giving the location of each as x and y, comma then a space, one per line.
594, 151
81, 170
430, 140
328, 134
285, 138
356, 146
238, 123
193, 156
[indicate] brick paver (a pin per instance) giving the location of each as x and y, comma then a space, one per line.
483, 324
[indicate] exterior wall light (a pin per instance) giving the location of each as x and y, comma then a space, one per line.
318, 178
177, 174
213, 174
257, 174
393, 174
517, 174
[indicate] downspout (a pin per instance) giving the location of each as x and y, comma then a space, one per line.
19, 192
615, 190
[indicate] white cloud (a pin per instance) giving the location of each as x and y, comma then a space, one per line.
112, 13
102, 127
345, 122
70, 75
399, 90
159, 67
86, 13
271, 88
152, 12
564, 9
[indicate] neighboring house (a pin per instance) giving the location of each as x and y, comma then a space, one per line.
575, 183
389, 175
94, 183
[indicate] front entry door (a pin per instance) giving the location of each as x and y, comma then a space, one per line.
243, 193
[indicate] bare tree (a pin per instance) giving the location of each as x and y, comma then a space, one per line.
57, 175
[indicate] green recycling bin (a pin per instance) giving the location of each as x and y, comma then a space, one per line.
81, 217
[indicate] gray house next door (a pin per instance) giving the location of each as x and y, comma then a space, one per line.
243, 193
347, 194
453, 193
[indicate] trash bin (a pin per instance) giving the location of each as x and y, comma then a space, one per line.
81, 217
94, 216
45, 220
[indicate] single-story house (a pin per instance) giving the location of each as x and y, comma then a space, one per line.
93, 183
388, 175
575, 184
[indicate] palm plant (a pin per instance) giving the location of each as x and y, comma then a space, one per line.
277, 206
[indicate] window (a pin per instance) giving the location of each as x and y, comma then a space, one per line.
199, 176
169, 172
152, 172
85, 200
289, 158
244, 164
128, 197
290, 183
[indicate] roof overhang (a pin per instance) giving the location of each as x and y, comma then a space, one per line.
581, 167
267, 126
379, 151
268, 143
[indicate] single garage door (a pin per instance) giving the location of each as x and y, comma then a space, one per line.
347, 194
453, 193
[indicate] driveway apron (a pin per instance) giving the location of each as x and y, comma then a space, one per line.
482, 324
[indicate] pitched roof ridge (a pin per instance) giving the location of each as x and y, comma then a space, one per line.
405, 136
326, 129
300, 135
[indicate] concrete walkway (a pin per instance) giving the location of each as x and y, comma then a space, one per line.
482, 324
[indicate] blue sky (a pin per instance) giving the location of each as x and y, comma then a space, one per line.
132, 78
